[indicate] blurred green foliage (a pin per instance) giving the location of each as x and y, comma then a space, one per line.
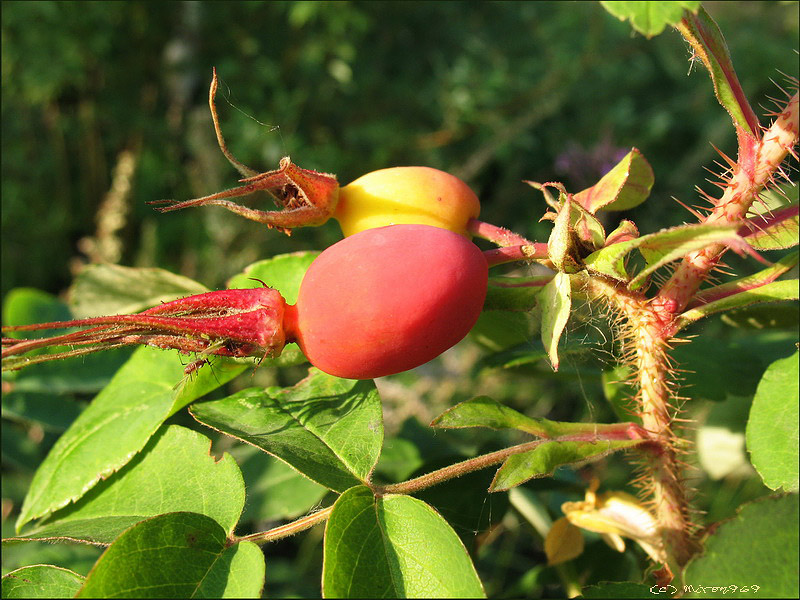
493, 92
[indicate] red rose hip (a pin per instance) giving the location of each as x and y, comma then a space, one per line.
388, 299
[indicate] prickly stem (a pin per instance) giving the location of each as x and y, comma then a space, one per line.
754, 170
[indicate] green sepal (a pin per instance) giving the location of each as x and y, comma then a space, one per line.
625, 186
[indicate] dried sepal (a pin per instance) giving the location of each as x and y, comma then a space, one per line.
305, 197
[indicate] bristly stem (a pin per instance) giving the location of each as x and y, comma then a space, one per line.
645, 348
749, 175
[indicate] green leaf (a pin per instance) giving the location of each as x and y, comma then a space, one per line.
77, 375
720, 439
177, 555
105, 289
26, 306
527, 354
83, 375
658, 249
650, 18
174, 473
625, 186
587, 227
776, 230
545, 457
51, 411
560, 244
705, 366
771, 273
274, 490
764, 316
514, 293
620, 392
393, 547
556, 302
465, 503
709, 46
482, 411
787, 289
284, 272
772, 430
500, 329
116, 425
756, 552
329, 429
41, 581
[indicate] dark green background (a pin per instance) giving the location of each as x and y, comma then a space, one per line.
494, 92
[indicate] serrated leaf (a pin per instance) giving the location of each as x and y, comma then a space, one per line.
173, 473
41, 581
556, 302
772, 430
650, 18
545, 457
116, 425
564, 542
106, 289
658, 249
709, 46
393, 547
625, 186
756, 552
177, 555
329, 429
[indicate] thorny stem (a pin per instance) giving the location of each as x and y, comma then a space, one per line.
749, 175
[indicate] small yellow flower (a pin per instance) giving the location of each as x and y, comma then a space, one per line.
614, 515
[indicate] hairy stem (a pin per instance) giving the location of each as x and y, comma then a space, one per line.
644, 337
288, 529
